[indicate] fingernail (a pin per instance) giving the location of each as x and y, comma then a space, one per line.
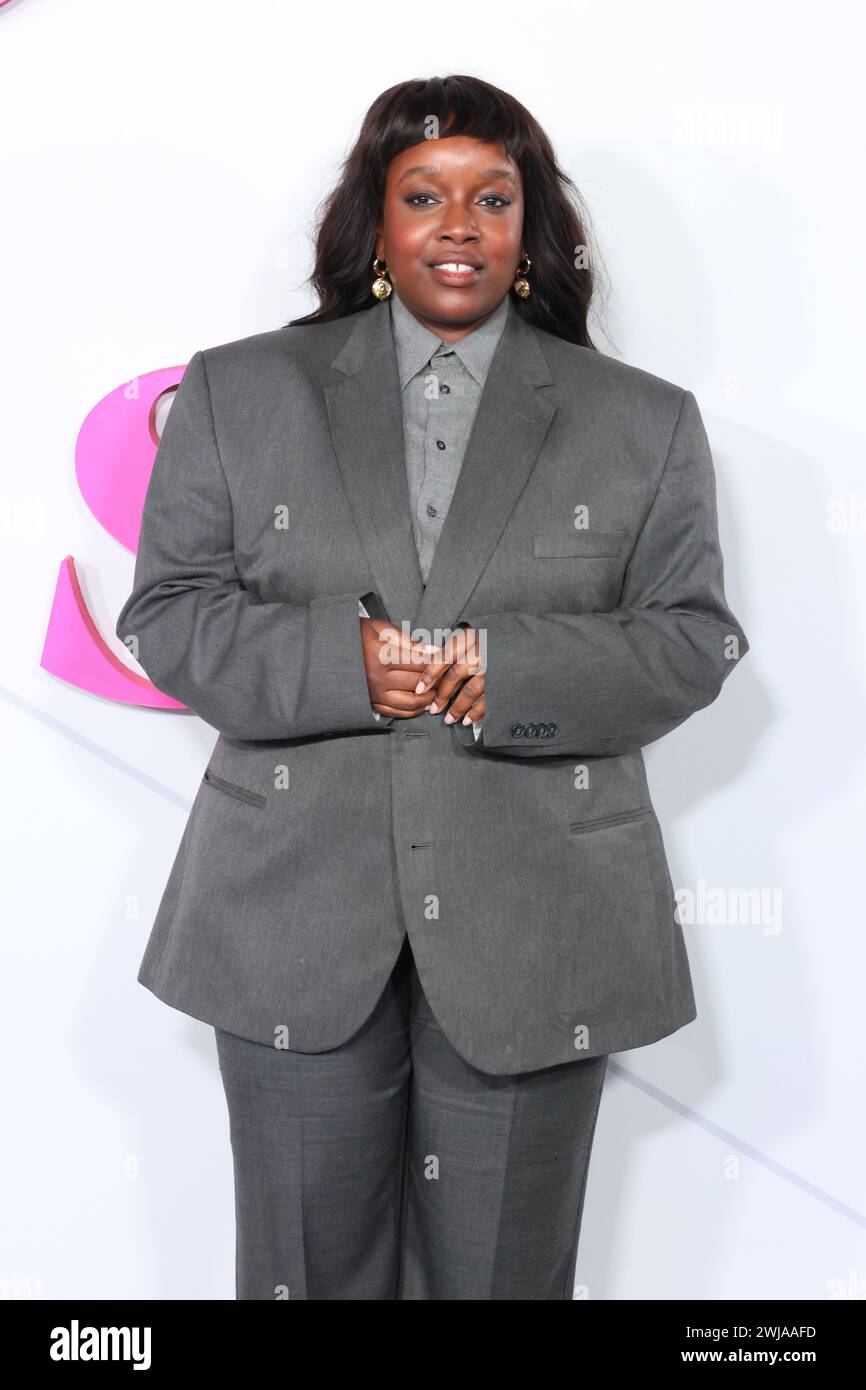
466, 719
434, 708
419, 687
449, 719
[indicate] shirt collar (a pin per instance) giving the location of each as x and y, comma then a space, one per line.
415, 344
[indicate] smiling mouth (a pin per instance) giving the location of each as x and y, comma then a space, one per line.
456, 272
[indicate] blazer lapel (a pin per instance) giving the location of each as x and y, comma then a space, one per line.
510, 424
365, 412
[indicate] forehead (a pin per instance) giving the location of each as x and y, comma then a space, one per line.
459, 156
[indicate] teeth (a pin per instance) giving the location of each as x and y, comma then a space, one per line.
454, 266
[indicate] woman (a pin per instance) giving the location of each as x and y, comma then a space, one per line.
436, 570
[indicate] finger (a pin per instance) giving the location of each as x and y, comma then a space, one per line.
396, 672
392, 712
455, 668
397, 651
406, 701
431, 674
396, 678
465, 654
397, 689
475, 713
468, 694
454, 650
432, 687
448, 685
398, 637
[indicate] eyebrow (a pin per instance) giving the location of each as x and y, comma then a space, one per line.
435, 169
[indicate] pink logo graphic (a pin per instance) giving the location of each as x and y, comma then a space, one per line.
114, 456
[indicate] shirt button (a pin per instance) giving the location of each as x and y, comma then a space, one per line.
440, 444
431, 510
445, 388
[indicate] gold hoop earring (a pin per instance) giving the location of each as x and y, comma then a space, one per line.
521, 286
380, 287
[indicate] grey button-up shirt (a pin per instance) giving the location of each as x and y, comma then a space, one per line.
440, 385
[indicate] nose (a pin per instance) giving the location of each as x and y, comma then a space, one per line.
458, 224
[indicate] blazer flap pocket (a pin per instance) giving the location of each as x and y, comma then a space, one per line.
580, 545
222, 784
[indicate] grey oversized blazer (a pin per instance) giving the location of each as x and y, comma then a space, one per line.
528, 867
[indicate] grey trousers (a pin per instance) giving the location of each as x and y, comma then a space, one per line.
390, 1168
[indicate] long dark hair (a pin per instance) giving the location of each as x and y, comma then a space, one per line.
555, 227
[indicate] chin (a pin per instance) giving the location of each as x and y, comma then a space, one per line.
457, 306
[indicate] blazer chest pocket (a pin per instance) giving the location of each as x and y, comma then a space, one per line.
578, 545
233, 789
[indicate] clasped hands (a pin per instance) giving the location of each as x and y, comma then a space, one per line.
406, 678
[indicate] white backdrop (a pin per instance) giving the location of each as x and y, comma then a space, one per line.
160, 167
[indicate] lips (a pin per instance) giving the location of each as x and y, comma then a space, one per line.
457, 271
467, 258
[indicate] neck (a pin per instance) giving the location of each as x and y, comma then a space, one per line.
447, 330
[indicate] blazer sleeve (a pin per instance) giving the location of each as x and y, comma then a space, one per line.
252, 670
612, 682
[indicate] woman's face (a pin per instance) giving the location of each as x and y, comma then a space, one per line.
452, 202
